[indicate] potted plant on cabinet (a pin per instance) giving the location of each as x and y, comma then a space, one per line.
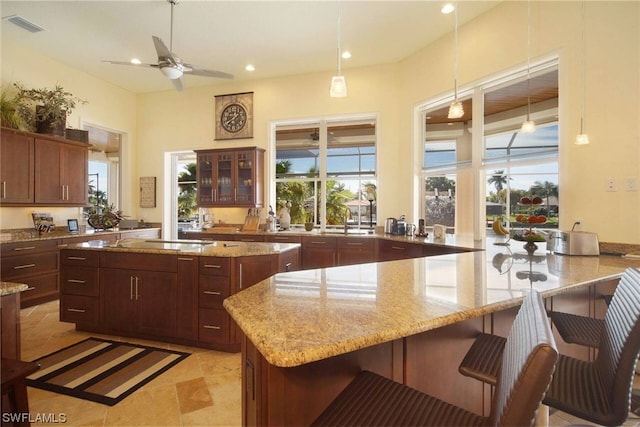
47, 109
10, 115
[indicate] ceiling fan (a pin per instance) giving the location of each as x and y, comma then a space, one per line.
170, 65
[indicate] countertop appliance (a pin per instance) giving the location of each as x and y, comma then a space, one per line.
395, 226
573, 243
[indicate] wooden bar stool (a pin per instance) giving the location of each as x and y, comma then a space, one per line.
14, 389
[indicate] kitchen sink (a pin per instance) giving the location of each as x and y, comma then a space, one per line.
349, 232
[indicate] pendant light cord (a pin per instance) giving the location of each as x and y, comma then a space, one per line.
582, 63
455, 59
528, 59
339, 38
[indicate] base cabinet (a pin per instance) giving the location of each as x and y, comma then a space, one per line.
169, 297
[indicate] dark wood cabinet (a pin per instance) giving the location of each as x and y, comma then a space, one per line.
355, 250
389, 250
230, 178
318, 252
79, 287
34, 263
187, 299
16, 168
61, 169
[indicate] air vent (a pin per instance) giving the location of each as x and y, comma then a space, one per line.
24, 24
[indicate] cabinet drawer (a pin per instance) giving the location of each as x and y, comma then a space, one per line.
215, 266
79, 309
79, 281
214, 326
26, 265
79, 258
318, 242
281, 238
356, 243
249, 238
213, 290
141, 234
41, 287
25, 248
139, 261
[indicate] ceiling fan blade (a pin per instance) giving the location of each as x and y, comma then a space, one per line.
161, 49
177, 83
199, 71
130, 63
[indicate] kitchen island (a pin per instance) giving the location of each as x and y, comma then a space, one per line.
164, 290
308, 333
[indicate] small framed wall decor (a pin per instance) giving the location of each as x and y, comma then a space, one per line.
234, 116
147, 191
72, 226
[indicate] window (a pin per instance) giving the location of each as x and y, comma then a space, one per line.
325, 172
460, 154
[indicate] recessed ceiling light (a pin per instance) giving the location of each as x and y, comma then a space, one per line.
250, 68
136, 61
346, 54
447, 8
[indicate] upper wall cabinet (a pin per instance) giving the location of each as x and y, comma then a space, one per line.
42, 170
16, 168
231, 178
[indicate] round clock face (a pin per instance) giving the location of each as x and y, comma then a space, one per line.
233, 118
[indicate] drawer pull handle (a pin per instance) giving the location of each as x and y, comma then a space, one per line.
211, 327
76, 310
400, 248
354, 244
31, 288
76, 281
212, 266
19, 267
77, 258
24, 248
318, 243
212, 293
184, 259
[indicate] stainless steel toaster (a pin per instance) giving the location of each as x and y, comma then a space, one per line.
573, 243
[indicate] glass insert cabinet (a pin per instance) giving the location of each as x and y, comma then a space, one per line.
230, 177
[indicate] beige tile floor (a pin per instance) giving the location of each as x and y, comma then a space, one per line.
202, 390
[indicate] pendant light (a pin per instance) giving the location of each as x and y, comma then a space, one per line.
582, 138
338, 82
456, 110
528, 126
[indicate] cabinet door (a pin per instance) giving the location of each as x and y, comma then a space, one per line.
117, 290
224, 177
353, 250
155, 295
245, 178
60, 173
187, 301
75, 167
318, 252
48, 172
204, 174
16, 168
252, 269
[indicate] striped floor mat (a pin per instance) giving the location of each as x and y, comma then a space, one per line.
102, 371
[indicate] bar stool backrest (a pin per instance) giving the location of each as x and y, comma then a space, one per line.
528, 362
620, 345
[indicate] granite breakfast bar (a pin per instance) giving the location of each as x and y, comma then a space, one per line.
308, 333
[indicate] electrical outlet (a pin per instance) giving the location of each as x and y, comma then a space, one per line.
611, 184
632, 183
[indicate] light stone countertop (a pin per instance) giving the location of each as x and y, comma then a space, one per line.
304, 316
191, 247
10, 288
30, 235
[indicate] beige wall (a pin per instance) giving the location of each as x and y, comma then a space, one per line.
171, 121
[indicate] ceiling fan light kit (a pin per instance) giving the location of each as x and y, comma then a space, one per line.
582, 138
528, 126
170, 65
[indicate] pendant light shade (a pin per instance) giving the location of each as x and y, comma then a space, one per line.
456, 110
582, 138
338, 82
528, 126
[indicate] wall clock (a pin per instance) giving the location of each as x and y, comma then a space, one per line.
234, 116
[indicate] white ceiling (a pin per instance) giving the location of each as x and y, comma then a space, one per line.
278, 37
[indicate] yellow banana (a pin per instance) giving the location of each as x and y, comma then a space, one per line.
498, 228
